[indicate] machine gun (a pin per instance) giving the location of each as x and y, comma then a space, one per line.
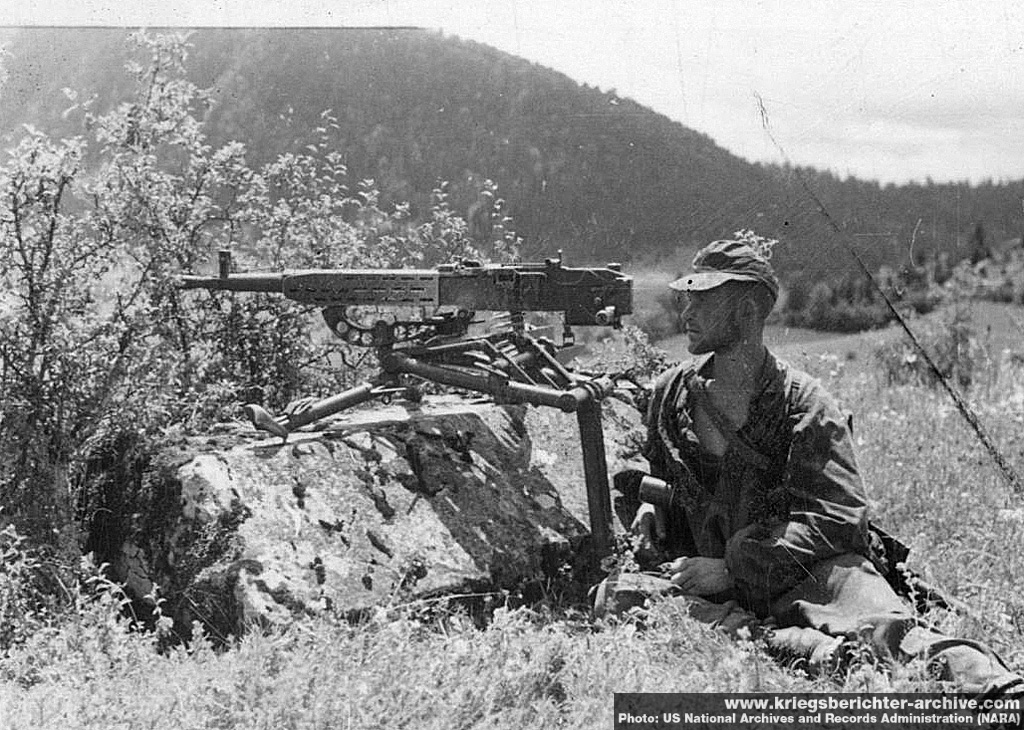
511, 366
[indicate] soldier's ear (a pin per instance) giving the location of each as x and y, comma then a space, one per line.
747, 310
755, 306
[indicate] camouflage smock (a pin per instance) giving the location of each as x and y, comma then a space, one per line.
770, 522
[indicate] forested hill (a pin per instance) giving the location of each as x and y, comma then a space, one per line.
580, 168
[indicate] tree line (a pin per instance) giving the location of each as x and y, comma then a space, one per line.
580, 168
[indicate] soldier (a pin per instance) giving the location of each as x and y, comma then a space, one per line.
768, 524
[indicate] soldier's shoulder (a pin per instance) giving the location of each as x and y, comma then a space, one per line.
804, 392
675, 371
794, 375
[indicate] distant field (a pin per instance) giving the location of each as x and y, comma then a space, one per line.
1001, 325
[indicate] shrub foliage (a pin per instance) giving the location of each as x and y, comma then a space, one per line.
96, 339
951, 341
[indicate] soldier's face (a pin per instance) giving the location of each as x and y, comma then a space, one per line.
710, 319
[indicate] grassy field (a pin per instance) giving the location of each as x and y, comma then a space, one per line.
999, 327
929, 481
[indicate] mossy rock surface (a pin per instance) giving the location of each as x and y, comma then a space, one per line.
383, 504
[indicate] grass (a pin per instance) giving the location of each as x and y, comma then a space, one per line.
523, 670
928, 479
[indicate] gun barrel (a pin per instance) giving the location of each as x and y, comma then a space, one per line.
587, 296
272, 283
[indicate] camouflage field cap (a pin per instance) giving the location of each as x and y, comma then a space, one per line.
722, 261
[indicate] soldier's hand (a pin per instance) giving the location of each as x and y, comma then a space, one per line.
700, 576
649, 525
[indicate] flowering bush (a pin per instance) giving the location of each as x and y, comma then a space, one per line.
951, 342
97, 339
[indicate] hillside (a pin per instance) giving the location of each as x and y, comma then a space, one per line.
580, 168
102, 397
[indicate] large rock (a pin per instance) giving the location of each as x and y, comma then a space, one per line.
389, 503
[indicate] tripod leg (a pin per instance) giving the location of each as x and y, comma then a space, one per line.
307, 413
595, 471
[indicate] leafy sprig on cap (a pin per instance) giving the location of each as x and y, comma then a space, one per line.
762, 246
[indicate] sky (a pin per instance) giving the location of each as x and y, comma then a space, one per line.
893, 91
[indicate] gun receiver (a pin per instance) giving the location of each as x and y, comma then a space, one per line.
587, 296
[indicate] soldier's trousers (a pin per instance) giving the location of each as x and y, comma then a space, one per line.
844, 602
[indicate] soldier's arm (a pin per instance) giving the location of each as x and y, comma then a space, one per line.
827, 504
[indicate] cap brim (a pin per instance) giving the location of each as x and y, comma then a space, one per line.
708, 280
